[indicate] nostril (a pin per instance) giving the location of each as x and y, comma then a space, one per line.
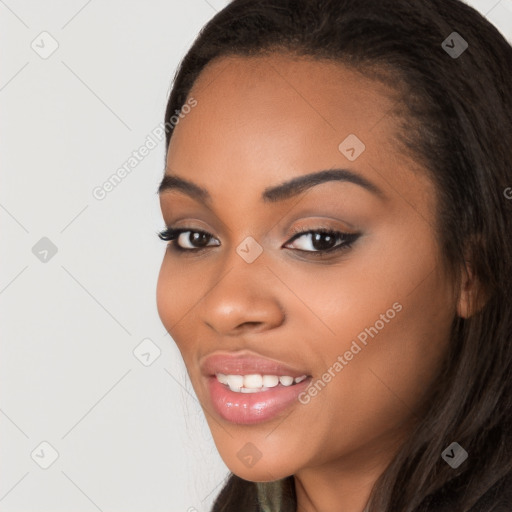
248, 325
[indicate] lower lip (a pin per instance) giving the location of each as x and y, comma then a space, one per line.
250, 408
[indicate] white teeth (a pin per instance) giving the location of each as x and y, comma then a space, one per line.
254, 390
235, 382
255, 382
270, 381
223, 379
286, 380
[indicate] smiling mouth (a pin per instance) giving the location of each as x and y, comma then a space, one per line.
258, 399
255, 382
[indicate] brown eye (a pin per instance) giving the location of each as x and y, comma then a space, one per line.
184, 239
195, 238
316, 242
322, 241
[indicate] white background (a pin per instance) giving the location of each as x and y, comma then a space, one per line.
129, 437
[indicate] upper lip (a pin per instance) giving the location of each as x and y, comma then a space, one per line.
245, 364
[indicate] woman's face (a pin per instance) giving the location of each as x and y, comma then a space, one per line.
368, 323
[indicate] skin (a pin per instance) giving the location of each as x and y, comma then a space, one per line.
258, 122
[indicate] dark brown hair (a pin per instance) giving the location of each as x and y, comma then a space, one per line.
455, 116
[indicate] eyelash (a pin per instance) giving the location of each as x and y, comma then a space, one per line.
171, 234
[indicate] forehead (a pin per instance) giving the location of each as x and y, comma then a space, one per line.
263, 120
291, 77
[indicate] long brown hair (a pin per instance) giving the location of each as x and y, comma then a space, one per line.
456, 119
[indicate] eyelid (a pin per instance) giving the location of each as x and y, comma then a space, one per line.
172, 234
348, 238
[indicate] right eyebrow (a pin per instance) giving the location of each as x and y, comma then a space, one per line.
297, 185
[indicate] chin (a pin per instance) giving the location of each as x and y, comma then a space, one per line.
263, 470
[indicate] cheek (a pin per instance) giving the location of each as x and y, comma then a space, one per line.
171, 297
341, 299
180, 291
164, 295
389, 306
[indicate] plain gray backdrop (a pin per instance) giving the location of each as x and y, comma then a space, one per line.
97, 412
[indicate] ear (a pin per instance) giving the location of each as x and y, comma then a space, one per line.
472, 297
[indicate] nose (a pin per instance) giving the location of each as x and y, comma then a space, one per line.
244, 299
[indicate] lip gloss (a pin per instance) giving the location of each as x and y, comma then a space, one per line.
250, 408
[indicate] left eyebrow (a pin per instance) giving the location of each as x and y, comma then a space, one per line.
276, 193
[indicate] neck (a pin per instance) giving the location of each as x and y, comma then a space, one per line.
344, 484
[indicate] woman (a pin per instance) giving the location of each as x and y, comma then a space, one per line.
340, 253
